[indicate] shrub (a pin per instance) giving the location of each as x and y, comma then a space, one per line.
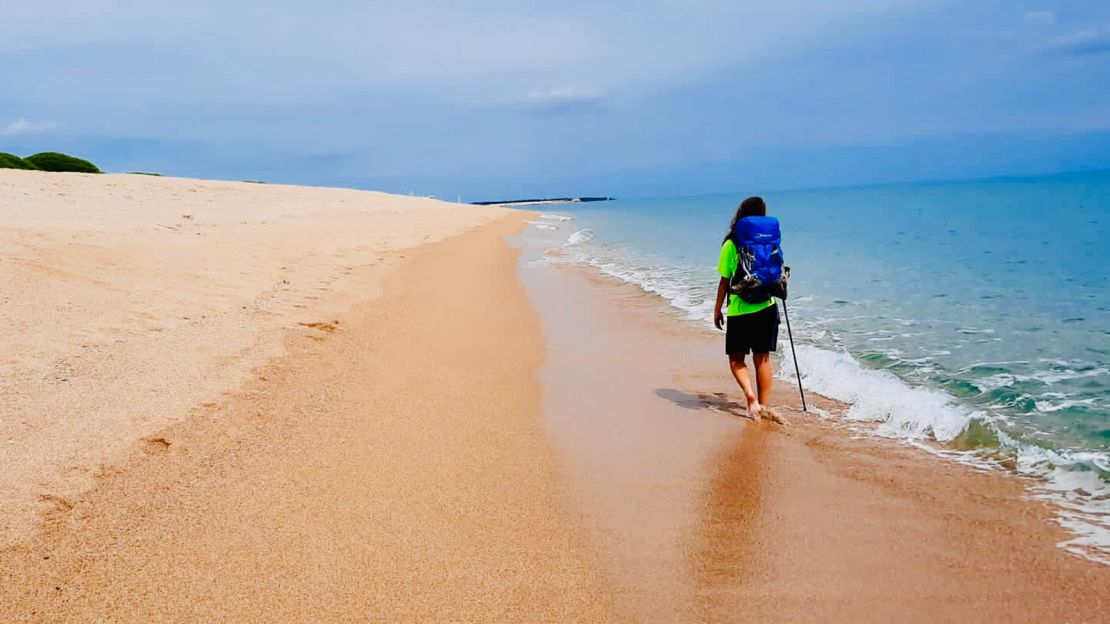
11, 161
53, 161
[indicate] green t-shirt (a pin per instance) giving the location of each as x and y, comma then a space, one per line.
726, 266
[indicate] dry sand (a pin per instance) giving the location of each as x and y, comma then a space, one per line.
389, 467
702, 515
128, 300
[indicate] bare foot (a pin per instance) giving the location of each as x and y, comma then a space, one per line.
774, 416
755, 410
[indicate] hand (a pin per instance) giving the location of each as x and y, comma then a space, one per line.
718, 319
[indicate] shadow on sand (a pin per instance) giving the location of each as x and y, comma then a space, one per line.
703, 400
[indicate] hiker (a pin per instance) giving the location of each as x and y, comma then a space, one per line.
750, 266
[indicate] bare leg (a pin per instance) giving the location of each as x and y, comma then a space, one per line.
764, 374
740, 371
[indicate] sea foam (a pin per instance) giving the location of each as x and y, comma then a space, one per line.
881, 397
580, 236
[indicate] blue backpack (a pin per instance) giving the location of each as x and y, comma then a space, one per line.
759, 272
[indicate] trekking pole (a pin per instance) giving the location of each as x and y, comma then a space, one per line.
789, 333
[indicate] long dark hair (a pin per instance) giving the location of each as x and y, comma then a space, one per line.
751, 207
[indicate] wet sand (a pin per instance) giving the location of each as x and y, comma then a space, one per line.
703, 515
390, 467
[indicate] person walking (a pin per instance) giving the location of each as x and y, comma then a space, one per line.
753, 321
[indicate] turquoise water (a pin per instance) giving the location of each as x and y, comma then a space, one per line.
975, 314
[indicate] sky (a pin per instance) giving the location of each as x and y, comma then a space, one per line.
494, 99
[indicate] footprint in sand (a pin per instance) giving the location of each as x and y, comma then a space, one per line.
324, 326
329, 328
60, 504
155, 445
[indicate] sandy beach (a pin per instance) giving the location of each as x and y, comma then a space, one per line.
241, 402
131, 300
386, 465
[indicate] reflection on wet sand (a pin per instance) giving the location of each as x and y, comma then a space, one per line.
635, 447
723, 548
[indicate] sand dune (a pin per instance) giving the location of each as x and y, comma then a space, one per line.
128, 300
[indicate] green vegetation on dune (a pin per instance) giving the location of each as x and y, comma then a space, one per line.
54, 161
11, 161
47, 161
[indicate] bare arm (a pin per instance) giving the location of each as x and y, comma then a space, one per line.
722, 293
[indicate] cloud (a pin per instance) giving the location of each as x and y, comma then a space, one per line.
564, 94
1037, 18
492, 46
456, 96
563, 100
22, 126
1082, 43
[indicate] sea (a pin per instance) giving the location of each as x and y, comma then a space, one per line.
969, 318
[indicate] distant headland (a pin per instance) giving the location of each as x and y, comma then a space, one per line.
549, 200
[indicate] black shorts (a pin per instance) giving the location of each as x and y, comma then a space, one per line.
757, 332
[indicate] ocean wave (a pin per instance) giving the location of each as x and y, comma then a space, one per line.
689, 299
881, 397
1069, 372
996, 381
677, 285
579, 237
1047, 407
539, 225
1077, 482
556, 217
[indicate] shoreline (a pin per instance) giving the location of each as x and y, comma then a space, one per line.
777, 523
869, 398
